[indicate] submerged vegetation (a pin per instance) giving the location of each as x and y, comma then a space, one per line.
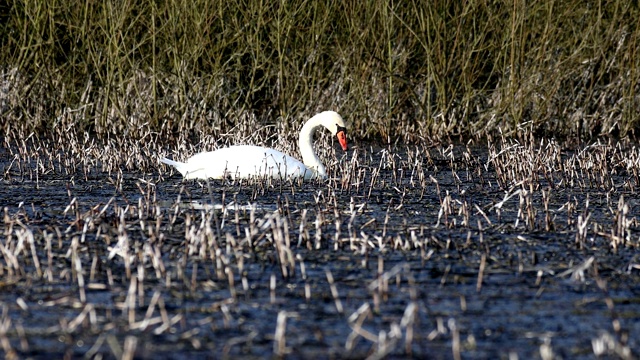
520, 251
486, 209
398, 71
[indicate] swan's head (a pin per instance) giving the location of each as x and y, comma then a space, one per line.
333, 121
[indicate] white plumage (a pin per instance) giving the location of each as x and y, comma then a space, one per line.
245, 161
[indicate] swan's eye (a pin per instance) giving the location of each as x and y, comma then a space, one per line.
342, 129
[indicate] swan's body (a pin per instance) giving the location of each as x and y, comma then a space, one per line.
241, 161
246, 161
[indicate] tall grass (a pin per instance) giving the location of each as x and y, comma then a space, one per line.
396, 70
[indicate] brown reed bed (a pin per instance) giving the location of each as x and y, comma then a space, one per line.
403, 251
401, 72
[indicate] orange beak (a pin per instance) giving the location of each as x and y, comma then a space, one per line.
342, 138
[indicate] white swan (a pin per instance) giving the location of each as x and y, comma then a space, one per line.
246, 161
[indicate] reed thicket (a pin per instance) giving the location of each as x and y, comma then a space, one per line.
397, 70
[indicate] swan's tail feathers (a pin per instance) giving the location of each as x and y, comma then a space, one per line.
170, 162
175, 164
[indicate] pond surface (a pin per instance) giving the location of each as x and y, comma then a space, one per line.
425, 252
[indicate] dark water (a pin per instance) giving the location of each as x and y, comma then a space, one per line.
410, 257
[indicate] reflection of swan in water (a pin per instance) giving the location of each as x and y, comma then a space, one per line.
230, 207
198, 205
245, 161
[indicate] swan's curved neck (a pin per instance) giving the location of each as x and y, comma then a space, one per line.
309, 157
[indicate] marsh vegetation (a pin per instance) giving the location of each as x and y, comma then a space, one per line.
486, 208
402, 71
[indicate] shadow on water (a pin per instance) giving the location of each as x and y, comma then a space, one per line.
435, 253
